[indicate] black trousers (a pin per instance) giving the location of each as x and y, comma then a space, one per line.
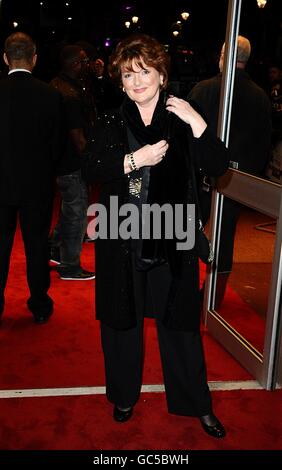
183, 364
35, 221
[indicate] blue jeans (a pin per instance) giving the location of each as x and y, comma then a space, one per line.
71, 226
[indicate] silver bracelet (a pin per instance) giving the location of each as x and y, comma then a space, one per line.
131, 162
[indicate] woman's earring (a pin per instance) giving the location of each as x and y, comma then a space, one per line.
161, 81
123, 89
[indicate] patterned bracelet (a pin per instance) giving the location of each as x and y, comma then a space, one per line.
131, 162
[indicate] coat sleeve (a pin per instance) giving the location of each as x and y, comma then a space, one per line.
209, 154
103, 159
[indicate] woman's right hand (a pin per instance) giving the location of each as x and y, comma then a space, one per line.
150, 155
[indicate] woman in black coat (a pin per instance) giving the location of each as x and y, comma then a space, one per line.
143, 154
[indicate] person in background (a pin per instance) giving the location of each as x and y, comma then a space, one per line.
249, 145
275, 95
106, 94
30, 145
275, 78
143, 154
67, 237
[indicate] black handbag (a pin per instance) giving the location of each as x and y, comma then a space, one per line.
203, 244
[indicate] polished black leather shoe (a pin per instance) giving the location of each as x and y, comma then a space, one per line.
122, 415
212, 426
41, 310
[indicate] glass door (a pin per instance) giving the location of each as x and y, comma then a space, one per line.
242, 304
243, 308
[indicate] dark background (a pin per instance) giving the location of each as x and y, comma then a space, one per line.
194, 52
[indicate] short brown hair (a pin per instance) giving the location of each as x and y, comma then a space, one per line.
19, 47
138, 48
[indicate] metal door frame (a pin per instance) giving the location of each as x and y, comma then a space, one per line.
245, 189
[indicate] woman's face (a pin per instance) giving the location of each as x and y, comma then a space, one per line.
142, 84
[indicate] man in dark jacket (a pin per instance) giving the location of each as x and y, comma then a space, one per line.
30, 134
249, 144
107, 95
66, 240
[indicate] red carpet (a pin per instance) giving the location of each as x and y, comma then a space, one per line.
66, 351
252, 420
241, 316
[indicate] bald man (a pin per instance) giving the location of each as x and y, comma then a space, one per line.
30, 134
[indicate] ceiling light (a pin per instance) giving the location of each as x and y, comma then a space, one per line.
261, 3
185, 15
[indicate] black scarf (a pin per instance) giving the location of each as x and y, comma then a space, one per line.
151, 252
152, 133
168, 181
154, 178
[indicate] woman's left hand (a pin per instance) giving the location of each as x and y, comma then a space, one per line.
187, 113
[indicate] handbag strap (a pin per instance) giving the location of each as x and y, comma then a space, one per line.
195, 191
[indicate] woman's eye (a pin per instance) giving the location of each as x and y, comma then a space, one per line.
126, 75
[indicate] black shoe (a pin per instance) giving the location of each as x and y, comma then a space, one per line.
41, 309
212, 426
122, 415
41, 318
81, 275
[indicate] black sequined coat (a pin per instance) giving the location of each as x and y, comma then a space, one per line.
169, 183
